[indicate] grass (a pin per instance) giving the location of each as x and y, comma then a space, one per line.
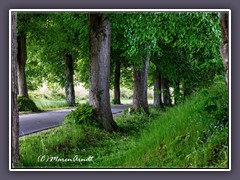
53, 104
46, 104
189, 135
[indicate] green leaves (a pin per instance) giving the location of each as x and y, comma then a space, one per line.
49, 35
182, 45
83, 113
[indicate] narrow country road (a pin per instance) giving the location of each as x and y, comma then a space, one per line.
35, 122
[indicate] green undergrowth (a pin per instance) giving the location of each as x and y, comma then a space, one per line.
27, 104
189, 135
81, 114
53, 100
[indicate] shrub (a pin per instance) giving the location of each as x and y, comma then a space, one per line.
83, 112
26, 104
216, 106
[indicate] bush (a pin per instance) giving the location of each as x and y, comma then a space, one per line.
26, 104
216, 105
83, 112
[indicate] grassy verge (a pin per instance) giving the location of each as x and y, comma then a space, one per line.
51, 104
190, 135
46, 104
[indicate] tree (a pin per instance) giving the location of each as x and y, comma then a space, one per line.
165, 91
157, 101
224, 47
117, 75
22, 56
99, 97
140, 43
185, 43
69, 85
118, 61
14, 105
140, 99
56, 39
60, 41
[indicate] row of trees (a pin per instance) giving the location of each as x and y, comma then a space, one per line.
178, 50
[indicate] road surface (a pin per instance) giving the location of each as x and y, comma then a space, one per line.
35, 122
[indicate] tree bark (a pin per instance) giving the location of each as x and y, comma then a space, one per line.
157, 90
224, 47
69, 84
14, 105
99, 96
140, 99
21, 63
165, 91
117, 74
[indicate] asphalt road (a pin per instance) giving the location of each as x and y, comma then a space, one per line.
35, 122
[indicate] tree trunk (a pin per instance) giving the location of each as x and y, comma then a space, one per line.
69, 84
21, 63
157, 90
165, 91
14, 105
224, 47
99, 96
140, 99
117, 74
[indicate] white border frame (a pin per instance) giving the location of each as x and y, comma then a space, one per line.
120, 10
